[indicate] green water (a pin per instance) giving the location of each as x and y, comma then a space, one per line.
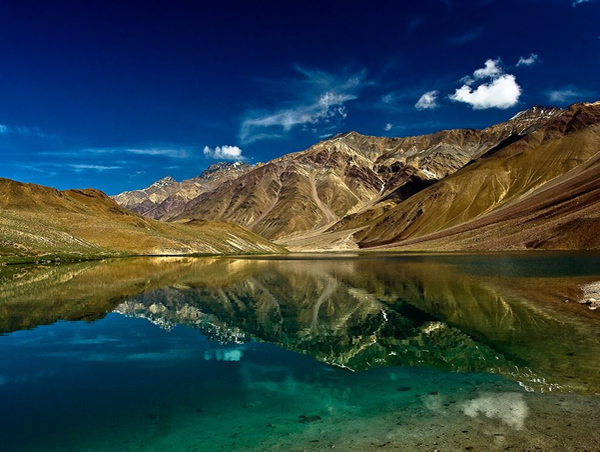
368, 352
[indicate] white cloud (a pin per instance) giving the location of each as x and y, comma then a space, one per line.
3, 129
579, 2
493, 68
320, 104
502, 91
569, 94
529, 61
428, 101
224, 153
388, 127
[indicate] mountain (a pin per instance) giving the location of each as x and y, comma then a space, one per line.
528, 183
166, 197
348, 175
541, 192
39, 222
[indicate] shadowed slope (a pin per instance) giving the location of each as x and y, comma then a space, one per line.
541, 191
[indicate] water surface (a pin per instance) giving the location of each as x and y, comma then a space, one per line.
301, 353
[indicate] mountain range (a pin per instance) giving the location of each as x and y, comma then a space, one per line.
532, 182
528, 183
167, 197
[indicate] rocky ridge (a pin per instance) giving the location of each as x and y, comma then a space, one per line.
351, 177
166, 197
529, 182
542, 192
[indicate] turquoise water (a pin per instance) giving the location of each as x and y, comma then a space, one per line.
353, 353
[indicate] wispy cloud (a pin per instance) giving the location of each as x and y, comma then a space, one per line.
466, 37
320, 102
501, 91
569, 94
22, 131
401, 101
82, 167
414, 22
395, 97
173, 153
428, 101
36, 167
388, 127
152, 152
224, 153
579, 2
529, 61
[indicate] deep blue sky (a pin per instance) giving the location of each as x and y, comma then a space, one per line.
117, 94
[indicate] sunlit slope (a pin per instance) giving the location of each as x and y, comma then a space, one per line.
350, 177
298, 192
546, 182
39, 221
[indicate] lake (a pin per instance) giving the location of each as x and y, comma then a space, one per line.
301, 352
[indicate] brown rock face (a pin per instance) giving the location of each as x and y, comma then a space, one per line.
167, 197
530, 182
350, 177
541, 191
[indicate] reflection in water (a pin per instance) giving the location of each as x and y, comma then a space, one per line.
510, 408
121, 383
452, 313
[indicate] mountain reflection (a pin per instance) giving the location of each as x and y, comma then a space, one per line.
350, 312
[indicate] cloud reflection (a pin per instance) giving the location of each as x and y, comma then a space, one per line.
510, 408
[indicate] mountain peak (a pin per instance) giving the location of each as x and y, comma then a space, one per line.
164, 182
220, 166
166, 195
536, 112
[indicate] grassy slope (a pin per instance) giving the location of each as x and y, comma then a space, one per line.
38, 221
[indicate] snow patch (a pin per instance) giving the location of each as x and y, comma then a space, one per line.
429, 174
